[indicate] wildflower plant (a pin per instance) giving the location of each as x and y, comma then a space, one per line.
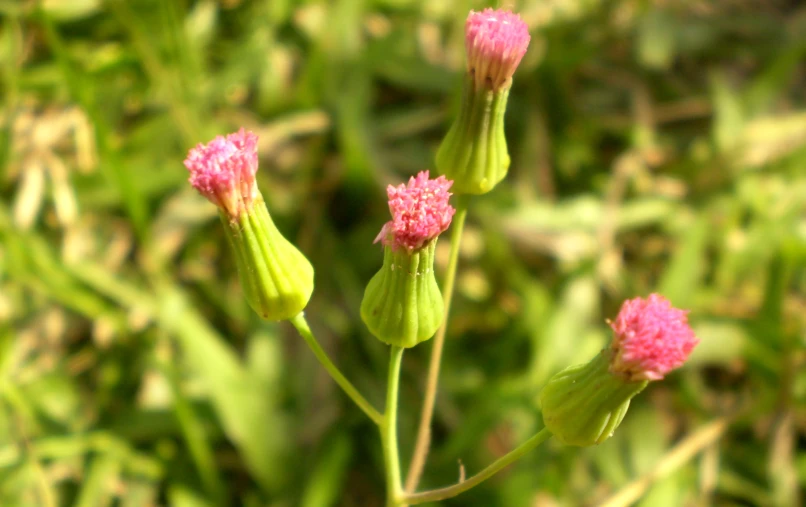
403, 305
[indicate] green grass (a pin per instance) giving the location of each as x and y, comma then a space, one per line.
657, 146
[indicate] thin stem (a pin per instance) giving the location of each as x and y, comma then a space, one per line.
494, 468
304, 330
423, 442
389, 429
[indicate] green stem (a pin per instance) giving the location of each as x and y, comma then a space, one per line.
423, 442
304, 330
389, 429
494, 468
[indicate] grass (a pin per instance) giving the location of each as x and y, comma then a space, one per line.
657, 146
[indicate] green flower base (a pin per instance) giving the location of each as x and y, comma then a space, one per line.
276, 277
474, 152
584, 404
402, 304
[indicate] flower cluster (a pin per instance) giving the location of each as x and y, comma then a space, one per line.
651, 339
402, 304
420, 212
224, 171
496, 41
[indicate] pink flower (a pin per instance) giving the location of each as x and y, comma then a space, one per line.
224, 170
651, 339
420, 212
496, 41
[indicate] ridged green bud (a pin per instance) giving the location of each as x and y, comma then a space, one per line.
276, 277
584, 404
474, 152
402, 303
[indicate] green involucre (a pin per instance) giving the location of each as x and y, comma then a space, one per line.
474, 152
402, 304
277, 279
584, 404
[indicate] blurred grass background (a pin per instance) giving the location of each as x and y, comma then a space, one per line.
657, 145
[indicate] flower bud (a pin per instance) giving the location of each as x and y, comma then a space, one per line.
402, 303
584, 404
474, 152
276, 277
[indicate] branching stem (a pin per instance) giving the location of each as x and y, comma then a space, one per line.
494, 468
423, 442
301, 324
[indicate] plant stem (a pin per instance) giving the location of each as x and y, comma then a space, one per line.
304, 330
494, 468
423, 442
389, 429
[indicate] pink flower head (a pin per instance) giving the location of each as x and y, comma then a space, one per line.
651, 339
496, 41
224, 170
420, 212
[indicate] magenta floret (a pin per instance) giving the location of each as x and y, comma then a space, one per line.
651, 339
496, 41
224, 170
420, 212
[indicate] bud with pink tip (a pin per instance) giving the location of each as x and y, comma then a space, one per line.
584, 404
474, 152
276, 277
402, 304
